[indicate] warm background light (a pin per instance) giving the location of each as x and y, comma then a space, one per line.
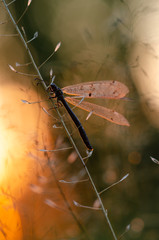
3, 149
10, 222
20, 136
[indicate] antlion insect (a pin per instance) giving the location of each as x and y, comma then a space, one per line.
99, 89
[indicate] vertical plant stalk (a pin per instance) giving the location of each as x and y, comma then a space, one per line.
80, 225
63, 123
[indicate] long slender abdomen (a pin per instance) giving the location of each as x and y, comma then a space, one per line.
77, 122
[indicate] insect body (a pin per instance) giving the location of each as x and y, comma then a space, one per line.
60, 98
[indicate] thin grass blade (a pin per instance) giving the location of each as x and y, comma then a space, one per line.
99, 89
100, 111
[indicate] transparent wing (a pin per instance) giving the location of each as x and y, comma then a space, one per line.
100, 111
99, 89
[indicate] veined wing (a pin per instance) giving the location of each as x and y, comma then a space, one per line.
99, 89
100, 111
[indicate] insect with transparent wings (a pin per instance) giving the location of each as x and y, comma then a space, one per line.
99, 89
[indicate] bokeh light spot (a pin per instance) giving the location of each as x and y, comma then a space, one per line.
137, 225
134, 158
